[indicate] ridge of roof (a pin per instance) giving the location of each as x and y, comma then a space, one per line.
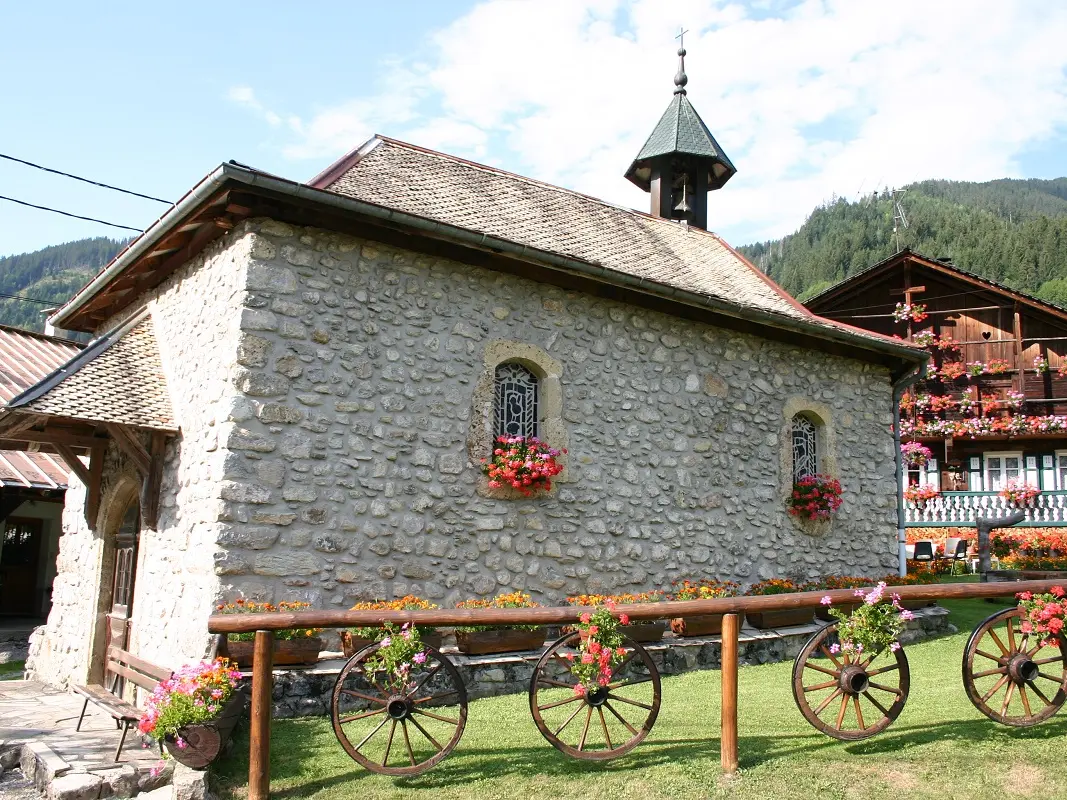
62, 340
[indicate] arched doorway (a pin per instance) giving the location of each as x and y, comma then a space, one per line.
118, 572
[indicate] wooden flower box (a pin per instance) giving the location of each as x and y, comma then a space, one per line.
351, 644
782, 618
697, 625
204, 741
499, 640
287, 652
645, 632
823, 612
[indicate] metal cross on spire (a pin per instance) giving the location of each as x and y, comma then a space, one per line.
680, 79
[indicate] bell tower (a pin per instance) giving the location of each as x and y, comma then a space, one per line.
681, 161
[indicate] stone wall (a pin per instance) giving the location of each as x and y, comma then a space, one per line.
348, 475
196, 324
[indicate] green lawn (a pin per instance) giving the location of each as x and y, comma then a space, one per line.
12, 668
940, 747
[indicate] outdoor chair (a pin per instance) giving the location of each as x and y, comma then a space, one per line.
955, 549
924, 550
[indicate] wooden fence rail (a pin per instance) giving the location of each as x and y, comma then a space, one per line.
264, 626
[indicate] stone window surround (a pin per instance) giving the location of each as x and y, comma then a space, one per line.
553, 432
826, 447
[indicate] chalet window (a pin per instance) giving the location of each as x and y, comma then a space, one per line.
516, 401
805, 452
927, 475
1001, 468
1061, 469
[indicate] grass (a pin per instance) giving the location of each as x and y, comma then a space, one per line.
940, 747
12, 667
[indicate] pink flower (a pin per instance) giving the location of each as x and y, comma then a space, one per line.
835, 648
826, 600
386, 642
419, 658
894, 647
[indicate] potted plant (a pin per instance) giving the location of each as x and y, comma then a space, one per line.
915, 454
193, 713
486, 639
1044, 615
600, 649
649, 630
706, 589
872, 627
291, 646
780, 618
919, 495
815, 497
1019, 494
523, 463
355, 639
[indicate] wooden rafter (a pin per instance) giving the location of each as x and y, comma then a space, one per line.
93, 485
131, 446
152, 481
73, 463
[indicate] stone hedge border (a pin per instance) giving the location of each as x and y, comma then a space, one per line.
305, 691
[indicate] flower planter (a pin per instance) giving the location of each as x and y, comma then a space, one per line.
205, 740
823, 612
499, 640
644, 632
287, 652
779, 619
698, 625
353, 644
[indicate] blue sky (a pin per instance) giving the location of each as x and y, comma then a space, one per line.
810, 99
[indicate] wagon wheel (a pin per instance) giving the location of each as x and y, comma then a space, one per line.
849, 696
390, 729
602, 724
1001, 663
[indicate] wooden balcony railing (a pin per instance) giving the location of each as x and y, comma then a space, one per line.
733, 608
962, 508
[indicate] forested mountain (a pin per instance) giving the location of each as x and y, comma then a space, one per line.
53, 273
1012, 231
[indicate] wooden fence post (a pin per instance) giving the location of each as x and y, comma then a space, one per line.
728, 737
259, 737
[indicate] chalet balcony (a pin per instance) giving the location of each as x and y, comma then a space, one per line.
961, 508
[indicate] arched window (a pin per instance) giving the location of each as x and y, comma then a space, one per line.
516, 401
805, 454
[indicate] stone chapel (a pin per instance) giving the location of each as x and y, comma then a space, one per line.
292, 385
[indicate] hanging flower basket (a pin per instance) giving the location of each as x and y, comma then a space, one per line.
915, 454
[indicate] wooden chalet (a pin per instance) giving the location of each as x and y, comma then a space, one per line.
993, 405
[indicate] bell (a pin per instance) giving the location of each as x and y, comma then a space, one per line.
684, 196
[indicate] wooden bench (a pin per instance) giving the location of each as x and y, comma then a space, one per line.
121, 667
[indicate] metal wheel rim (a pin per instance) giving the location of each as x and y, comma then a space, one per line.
594, 718
992, 647
403, 733
825, 675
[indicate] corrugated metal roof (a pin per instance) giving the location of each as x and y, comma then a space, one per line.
19, 469
26, 357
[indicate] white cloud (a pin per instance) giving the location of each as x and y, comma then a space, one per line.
808, 98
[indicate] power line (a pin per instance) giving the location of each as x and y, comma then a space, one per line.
68, 214
38, 300
85, 180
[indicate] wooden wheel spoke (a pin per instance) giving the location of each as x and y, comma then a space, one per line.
826, 652
841, 712
379, 700
1026, 700
426, 733
1007, 699
1000, 644
618, 716
986, 673
889, 689
1011, 634
1039, 693
389, 744
368, 737
984, 654
623, 664
604, 727
628, 701
622, 684
422, 700
558, 703
880, 670
585, 730
1043, 661
876, 704
407, 741
827, 701
995, 689
425, 678
824, 670
567, 722
437, 717
817, 686
859, 713
364, 715
553, 682
1048, 677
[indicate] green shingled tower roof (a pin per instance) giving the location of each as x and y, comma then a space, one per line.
681, 137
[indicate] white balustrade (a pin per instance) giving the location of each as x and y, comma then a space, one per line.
962, 508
